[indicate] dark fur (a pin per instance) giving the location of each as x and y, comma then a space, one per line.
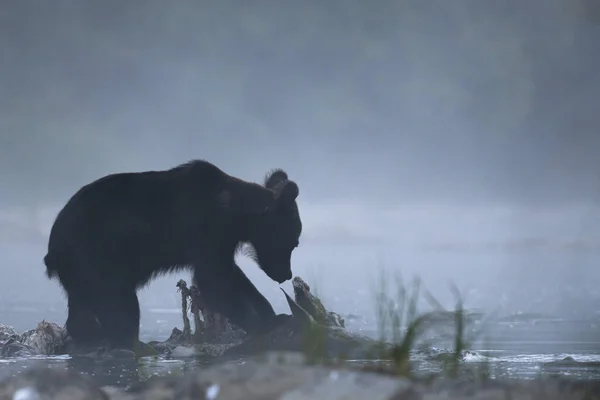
116, 234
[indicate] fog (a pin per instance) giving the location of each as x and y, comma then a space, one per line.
453, 140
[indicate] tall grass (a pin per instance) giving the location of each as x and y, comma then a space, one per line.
315, 339
398, 321
401, 324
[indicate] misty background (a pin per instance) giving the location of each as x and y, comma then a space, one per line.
453, 140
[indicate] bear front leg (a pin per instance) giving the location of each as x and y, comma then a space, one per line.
253, 298
251, 295
226, 293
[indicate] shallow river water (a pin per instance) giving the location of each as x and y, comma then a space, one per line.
510, 349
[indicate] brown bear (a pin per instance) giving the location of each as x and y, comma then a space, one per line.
119, 232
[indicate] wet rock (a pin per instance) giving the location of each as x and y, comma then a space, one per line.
313, 305
6, 332
10, 344
175, 339
12, 348
47, 338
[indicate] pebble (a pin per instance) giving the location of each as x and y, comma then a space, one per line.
26, 393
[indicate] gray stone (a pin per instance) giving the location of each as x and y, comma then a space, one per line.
6, 332
12, 348
348, 385
47, 338
491, 389
50, 384
313, 305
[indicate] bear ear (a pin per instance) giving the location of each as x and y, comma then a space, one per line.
274, 178
287, 192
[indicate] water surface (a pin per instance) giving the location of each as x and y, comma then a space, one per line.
513, 348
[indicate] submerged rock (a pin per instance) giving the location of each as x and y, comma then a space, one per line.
570, 362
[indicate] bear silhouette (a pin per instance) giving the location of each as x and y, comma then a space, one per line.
116, 234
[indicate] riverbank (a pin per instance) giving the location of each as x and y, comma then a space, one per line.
402, 364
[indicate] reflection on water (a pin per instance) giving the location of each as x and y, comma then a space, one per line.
109, 371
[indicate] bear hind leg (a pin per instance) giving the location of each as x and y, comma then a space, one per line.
82, 324
119, 314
